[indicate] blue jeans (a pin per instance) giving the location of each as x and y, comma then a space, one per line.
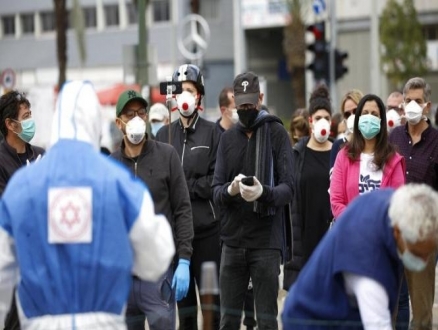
154, 301
237, 266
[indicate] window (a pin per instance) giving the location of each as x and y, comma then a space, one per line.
209, 8
8, 23
430, 32
161, 10
90, 17
132, 13
48, 21
27, 23
112, 15
277, 7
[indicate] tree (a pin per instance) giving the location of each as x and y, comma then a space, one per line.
61, 39
78, 23
404, 50
294, 47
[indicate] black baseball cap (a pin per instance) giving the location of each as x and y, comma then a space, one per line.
246, 89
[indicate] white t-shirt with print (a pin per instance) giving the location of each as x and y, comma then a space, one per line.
370, 177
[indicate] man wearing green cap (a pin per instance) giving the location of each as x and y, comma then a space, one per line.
158, 165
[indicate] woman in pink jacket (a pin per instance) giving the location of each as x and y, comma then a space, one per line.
368, 162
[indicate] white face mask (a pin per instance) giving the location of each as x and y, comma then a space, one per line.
186, 104
350, 125
321, 130
135, 130
393, 119
412, 262
234, 116
413, 112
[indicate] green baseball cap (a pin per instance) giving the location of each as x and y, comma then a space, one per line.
126, 97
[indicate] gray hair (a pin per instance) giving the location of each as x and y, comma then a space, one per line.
418, 83
414, 209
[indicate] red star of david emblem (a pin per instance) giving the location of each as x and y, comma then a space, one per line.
70, 215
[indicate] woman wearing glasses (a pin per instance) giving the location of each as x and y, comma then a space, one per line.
368, 161
348, 108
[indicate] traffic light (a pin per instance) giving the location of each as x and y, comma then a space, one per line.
320, 62
340, 68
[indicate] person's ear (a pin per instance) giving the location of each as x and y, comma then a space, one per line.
222, 109
119, 123
427, 107
10, 124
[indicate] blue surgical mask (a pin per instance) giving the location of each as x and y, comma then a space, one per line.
412, 262
155, 127
27, 129
369, 126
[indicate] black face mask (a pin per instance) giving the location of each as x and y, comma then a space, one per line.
247, 117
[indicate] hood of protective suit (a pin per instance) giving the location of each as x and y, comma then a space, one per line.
77, 114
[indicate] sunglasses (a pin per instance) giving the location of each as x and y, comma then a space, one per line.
347, 114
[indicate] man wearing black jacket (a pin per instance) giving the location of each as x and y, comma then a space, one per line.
196, 140
18, 128
253, 228
158, 165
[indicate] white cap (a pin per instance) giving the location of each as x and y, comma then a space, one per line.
158, 112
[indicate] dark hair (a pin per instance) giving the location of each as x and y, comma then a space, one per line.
383, 150
320, 99
224, 101
9, 107
299, 122
337, 118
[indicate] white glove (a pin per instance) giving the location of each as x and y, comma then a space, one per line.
233, 189
251, 193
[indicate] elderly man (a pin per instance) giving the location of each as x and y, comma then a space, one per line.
76, 226
353, 278
417, 142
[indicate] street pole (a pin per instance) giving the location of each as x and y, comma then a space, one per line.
332, 64
375, 55
142, 75
239, 39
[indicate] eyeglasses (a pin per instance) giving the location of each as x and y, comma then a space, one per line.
131, 113
347, 114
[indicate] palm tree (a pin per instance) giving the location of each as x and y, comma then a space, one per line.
61, 39
61, 18
294, 47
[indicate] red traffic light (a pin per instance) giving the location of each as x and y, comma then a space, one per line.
318, 30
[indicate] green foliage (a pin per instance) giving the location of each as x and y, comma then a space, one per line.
404, 49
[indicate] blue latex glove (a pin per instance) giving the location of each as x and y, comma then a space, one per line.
181, 279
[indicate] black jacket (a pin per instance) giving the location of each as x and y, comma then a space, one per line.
242, 227
197, 148
11, 162
159, 167
294, 266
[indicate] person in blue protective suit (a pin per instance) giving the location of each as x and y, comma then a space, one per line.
76, 225
353, 278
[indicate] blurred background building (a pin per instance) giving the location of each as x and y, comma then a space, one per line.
28, 47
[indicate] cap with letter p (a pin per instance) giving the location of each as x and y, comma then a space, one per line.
246, 89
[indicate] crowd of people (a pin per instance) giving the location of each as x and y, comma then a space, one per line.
345, 199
